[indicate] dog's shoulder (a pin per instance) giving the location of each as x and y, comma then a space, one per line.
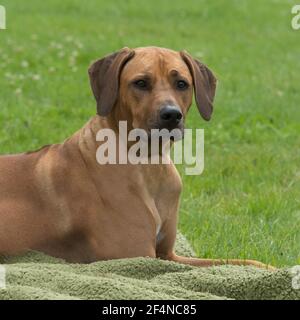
42, 149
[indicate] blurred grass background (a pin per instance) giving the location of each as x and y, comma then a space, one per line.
246, 203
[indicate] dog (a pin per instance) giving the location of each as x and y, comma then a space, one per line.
60, 201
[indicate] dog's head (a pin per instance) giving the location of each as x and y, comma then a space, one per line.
151, 87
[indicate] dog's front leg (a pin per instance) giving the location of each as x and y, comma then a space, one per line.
165, 250
214, 262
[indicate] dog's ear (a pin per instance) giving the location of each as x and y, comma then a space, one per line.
204, 85
105, 77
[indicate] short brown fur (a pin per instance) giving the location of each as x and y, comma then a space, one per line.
59, 200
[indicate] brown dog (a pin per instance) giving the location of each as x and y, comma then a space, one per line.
59, 200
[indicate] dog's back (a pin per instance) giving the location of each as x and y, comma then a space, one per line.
23, 200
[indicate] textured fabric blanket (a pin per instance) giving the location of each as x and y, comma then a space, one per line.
37, 276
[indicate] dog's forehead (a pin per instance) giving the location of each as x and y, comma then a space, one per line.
156, 60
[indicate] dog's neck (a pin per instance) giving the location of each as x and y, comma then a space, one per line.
87, 136
120, 112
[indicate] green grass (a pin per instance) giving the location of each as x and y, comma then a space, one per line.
246, 203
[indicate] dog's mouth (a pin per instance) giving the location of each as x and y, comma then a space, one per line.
156, 125
154, 132
157, 132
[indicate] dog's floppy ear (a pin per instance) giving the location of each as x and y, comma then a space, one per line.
105, 77
204, 85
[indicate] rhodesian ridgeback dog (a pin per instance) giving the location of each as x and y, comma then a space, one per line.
61, 201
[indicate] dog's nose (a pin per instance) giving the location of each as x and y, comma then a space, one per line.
170, 116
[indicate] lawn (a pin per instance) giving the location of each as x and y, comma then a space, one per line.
247, 201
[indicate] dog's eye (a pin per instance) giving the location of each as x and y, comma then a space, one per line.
181, 85
141, 84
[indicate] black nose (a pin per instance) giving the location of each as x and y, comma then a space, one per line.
170, 116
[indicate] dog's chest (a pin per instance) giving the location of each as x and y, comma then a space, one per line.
163, 187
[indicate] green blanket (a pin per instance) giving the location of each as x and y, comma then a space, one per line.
37, 276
